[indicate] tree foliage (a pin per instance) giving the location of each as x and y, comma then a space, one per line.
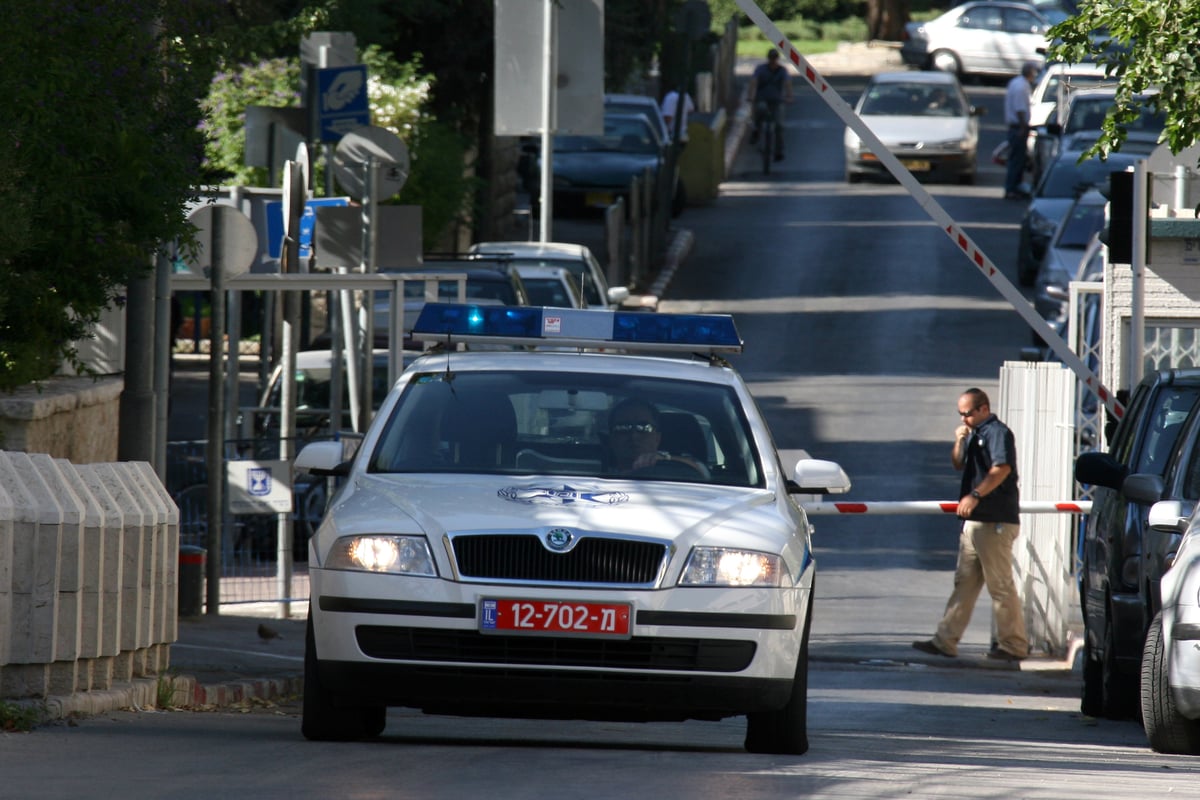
1151, 44
100, 150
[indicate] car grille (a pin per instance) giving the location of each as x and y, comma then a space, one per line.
472, 647
519, 557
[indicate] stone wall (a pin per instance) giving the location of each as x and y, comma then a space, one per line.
76, 418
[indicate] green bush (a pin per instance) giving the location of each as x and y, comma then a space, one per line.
782, 10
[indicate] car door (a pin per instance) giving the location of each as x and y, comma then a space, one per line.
1024, 32
975, 40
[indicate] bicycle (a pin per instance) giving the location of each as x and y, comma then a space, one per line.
764, 122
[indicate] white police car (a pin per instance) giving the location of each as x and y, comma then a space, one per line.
1170, 687
570, 535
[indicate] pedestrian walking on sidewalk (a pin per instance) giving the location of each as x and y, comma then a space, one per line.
989, 505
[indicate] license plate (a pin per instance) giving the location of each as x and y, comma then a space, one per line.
555, 617
598, 199
915, 165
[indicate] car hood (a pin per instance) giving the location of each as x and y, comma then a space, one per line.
893, 130
601, 168
680, 512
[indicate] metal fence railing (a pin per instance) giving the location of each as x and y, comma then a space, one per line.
251, 570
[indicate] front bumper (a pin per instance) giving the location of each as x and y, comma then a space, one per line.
923, 165
693, 653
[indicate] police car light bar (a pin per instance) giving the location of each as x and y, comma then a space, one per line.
535, 325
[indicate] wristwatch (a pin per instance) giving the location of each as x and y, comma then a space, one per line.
975, 493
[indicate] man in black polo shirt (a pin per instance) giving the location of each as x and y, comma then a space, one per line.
986, 453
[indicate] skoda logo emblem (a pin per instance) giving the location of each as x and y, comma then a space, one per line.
559, 539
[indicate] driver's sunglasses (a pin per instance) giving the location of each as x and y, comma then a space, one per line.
634, 427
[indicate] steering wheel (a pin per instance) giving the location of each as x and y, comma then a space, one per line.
669, 466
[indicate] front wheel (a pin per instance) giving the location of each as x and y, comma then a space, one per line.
323, 718
1166, 729
768, 143
785, 731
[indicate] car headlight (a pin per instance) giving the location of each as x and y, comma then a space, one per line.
720, 566
1041, 226
949, 144
397, 555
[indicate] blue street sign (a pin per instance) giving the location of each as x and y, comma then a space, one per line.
341, 102
308, 222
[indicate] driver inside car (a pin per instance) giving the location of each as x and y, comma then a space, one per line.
634, 437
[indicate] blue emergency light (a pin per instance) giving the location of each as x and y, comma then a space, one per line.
588, 328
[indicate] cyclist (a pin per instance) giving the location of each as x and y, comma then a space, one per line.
770, 88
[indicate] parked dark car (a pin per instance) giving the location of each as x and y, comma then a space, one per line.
1122, 559
1066, 179
591, 172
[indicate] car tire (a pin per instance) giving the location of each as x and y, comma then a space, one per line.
966, 179
945, 61
323, 720
1027, 271
1091, 700
853, 177
785, 731
1166, 729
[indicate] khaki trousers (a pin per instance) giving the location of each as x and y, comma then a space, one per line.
985, 558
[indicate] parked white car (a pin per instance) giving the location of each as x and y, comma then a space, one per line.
578, 258
1171, 657
985, 37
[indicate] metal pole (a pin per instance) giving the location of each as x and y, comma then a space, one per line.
368, 267
1181, 186
1137, 305
164, 341
549, 71
216, 413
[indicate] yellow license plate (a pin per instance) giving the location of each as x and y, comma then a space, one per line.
598, 199
916, 166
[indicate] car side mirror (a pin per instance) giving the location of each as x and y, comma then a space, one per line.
1169, 516
978, 111
1143, 488
1100, 469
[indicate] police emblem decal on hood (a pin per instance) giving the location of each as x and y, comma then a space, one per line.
563, 496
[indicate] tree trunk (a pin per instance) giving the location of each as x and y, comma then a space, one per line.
886, 19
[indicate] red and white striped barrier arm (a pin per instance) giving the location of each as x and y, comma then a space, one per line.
974, 255
940, 507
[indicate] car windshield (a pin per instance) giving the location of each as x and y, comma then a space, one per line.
627, 135
567, 423
1088, 113
911, 100
548, 292
1082, 221
1067, 177
501, 291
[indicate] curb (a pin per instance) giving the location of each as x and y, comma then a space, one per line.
142, 694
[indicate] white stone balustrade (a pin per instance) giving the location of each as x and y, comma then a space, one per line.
89, 560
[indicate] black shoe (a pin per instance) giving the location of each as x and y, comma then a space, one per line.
779, 156
928, 646
1016, 196
1003, 655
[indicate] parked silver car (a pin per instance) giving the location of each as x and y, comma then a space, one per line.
986, 37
